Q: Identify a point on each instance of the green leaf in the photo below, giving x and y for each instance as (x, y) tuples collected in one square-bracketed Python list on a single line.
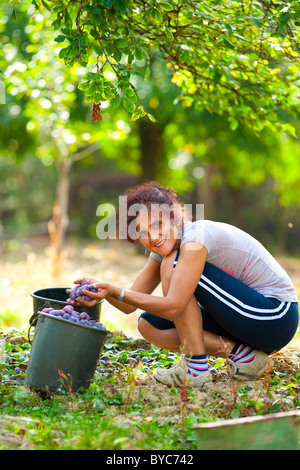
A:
[(91, 76), (108, 3), (84, 85), (129, 93), (275, 407), (64, 52), (169, 33), (129, 105), (92, 89), (217, 76), (166, 6), (157, 16), (228, 44), (97, 49), (138, 114), (68, 20), (235, 414), (115, 52), (46, 5), (121, 43), (184, 56), (89, 99), (151, 117), (56, 23), (115, 102), (60, 38), (97, 97)]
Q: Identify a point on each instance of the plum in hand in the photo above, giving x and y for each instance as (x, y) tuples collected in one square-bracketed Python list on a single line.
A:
[(77, 291)]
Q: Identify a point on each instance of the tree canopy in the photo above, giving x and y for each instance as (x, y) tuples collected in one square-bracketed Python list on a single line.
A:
[(239, 58)]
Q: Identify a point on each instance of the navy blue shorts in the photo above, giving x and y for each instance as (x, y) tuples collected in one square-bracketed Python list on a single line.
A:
[(235, 311)]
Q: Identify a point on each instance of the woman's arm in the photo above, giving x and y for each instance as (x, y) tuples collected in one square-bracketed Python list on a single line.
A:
[(183, 283), (146, 282)]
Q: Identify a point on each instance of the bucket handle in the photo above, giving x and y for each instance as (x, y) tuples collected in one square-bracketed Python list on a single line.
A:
[(33, 319)]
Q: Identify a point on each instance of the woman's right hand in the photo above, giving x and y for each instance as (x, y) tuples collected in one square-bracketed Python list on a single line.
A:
[(88, 280)]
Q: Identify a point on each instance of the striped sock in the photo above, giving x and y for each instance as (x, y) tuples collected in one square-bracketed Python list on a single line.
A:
[(242, 353), (196, 364)]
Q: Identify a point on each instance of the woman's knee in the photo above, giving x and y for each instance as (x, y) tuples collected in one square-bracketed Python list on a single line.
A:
[(142, 325)]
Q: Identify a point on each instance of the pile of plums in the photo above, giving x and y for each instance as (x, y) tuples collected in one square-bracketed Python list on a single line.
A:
[(77, 291), (69, 313)]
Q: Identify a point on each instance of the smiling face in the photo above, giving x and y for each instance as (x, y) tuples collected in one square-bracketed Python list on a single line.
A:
[(157, 230)]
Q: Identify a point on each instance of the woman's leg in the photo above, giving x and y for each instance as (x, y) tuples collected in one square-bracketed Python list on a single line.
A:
[(187, 334), (250, 318), (189, 323), (168, 338), (163, 338)]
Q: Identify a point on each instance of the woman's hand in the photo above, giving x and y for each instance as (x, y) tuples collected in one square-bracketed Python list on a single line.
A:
[(103, 290)]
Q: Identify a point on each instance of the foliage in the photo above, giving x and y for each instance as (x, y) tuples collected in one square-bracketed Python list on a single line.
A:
[(46, 114), (239, 58)]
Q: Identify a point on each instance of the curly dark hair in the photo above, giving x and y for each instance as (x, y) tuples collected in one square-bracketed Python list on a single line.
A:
[(150, 192)]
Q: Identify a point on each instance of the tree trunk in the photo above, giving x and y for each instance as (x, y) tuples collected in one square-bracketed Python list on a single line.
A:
[(58, 225), (151, 150), (237, 207)]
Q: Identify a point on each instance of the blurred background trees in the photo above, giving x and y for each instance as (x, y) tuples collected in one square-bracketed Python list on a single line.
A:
[(57, 164)]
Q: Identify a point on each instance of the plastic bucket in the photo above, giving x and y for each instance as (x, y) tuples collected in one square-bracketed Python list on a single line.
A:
[(61, 345), (56, 297)]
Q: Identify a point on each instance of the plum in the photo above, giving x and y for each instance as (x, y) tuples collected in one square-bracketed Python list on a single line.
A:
[(70, 314), (132, 360), (56, 313), (84, 316), (104, 358), (74, 319), (68, 309), (77, 291), (47, 309)]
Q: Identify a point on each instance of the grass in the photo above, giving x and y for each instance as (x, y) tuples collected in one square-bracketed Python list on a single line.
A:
[(124, 408)]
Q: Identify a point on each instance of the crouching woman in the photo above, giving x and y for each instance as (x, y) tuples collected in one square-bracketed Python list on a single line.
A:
[(224, 295)]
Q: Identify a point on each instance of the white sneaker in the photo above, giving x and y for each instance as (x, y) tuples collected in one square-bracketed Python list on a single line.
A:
[(249, 370), (177, 375)]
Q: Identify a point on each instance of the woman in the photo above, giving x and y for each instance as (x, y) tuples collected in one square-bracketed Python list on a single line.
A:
[(224, 295)]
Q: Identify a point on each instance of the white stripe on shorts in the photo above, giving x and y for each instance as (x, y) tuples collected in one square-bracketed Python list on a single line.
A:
[(221, 294), (281, 309)]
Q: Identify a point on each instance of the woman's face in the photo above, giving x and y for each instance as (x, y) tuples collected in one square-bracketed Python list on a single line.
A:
[(157, 230)]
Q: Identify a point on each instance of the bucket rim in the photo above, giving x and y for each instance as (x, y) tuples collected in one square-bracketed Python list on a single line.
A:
[(35, 296), (39, 313)]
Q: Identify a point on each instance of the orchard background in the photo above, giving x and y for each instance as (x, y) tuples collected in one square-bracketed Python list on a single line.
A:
[(99, 95)]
